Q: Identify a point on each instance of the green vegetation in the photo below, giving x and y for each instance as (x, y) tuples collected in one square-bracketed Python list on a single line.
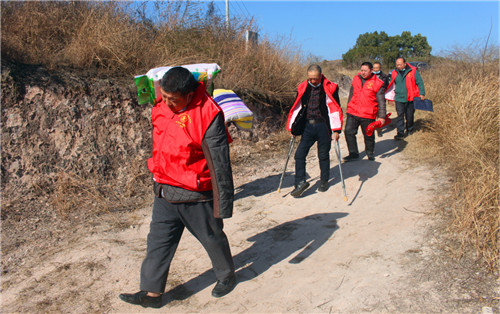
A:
[(386, 49)]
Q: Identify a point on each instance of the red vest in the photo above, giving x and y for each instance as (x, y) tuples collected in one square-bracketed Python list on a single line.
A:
[(178, 158), (412, 90), (334, 111), (363, 102)]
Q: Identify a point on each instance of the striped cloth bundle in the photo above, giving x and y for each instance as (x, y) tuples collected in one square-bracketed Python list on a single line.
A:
[(234, 109)]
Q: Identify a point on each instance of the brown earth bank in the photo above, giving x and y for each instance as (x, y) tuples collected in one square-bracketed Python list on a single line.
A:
[(74, 146), (76, 204)]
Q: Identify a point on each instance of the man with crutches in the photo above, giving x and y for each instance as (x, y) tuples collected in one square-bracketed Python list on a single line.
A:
[(316, 116)]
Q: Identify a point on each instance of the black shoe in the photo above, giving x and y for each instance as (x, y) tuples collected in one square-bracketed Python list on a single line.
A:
[(408, 133), (371, 157), (323, 186), (399, 137), (379, 132), (141, 298), (351, 157), (299, 189), (224, 287)]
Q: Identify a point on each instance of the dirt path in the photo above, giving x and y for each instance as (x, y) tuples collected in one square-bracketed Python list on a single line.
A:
[(317, 253)]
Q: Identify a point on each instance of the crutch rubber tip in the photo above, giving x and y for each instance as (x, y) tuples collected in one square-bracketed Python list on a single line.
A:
[(279, 190), (345, 198)]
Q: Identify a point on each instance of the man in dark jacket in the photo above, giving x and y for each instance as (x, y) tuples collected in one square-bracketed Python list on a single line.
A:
[(366, 103), (406, 84), (317, 116), (377, 70), (193, 185)]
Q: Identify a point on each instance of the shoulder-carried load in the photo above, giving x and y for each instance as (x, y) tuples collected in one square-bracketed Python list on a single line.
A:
[(234, 109), (148, 85)]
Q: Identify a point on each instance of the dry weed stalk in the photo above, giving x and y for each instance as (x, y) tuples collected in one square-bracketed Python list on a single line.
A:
[(72, 193), (97, 195)]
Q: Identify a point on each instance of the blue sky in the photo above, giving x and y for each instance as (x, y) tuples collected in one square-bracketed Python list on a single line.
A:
[(327, 29)]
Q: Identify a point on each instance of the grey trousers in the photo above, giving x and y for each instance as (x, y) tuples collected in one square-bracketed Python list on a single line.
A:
[(165, 232)]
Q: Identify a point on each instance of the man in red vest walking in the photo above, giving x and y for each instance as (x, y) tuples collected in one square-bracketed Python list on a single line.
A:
[(365, 104), (317, 116), (193, 185), (406, 84)]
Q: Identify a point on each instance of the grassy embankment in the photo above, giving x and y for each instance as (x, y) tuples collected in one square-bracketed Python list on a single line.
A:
[(461, 135), (117, 39)]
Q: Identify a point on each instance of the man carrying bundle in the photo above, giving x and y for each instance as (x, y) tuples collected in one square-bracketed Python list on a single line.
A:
[(193, 185), (366, 103), (317, 116)]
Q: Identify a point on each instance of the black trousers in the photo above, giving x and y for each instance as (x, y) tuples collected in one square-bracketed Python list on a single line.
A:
[(317, 132), (166, 228), (351, 129), (405, 110)]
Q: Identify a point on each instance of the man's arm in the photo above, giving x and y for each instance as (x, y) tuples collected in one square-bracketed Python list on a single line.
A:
[(335, 135), (216, 150), (336, 97), (420, 83), (381, 102), (350, 95)]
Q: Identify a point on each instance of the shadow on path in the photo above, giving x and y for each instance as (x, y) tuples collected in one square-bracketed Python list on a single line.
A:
[(301, 238), (264, 186), (362, 167), (389, 147), (368, 170)]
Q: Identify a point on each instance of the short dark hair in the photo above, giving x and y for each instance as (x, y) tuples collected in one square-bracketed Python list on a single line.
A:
[(179, 79), (404, 60), (376, 62), (368, 64), (314, 68)]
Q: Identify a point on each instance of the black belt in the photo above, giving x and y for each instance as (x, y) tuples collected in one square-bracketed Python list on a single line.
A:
[(314, 121)]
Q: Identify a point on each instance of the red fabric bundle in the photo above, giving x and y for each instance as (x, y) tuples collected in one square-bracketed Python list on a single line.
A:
[(377, 124)]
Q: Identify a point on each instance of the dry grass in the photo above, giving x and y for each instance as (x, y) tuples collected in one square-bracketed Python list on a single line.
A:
[(118, 38), (71, 193), (463, 135)]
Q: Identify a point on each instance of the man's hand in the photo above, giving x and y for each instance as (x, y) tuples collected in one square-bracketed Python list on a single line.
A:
[(382, 120), (335, 136), (422, 97)]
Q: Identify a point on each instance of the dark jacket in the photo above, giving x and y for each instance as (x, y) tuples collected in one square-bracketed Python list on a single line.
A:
[(384, 77), (329, 107), (216, 150)]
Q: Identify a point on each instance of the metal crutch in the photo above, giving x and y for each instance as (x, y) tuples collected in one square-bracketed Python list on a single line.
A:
[(337, 151), (292, 142)]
